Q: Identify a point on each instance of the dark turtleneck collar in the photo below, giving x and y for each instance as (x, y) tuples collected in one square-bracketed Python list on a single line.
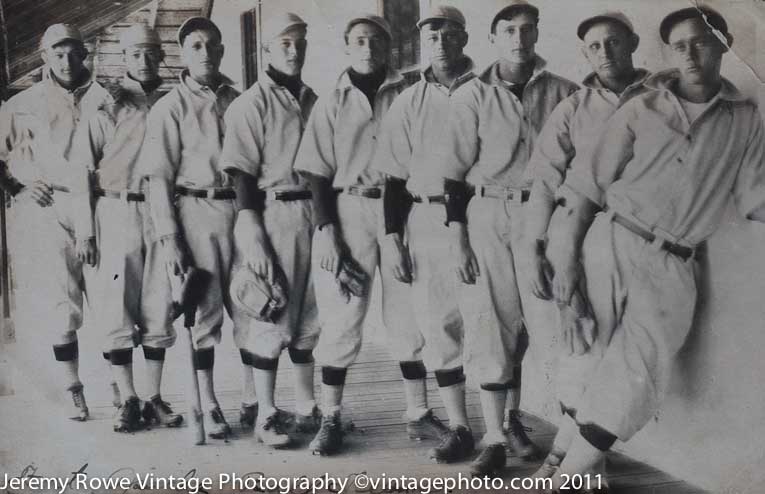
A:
[(292, 83), (368, 84)]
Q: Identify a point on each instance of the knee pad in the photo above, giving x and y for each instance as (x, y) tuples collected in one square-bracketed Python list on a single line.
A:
[(597, 436)]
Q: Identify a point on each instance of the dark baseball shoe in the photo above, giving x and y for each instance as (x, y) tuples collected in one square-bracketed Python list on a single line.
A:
[(219, 427), (247, 415), (457, 444), (159, 412), (426, 427), (491, 460), (518, 441), (329, 439), (272, 431), (80, 411), (308, 423), (128, 416)]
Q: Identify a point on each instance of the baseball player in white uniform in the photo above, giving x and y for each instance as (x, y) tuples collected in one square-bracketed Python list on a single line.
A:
[(180, 156), (410, 132), (608, 43), (661, 175), (274, 222), (337, 151), (37, 127), (492, 128), (129, 288)]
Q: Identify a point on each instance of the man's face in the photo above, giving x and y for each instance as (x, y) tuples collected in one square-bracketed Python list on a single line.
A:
[(368, 48), (202, 53), (444, 45), (515, 39), (66, 60), (696, 51), (287, 51), (608, 46), (143, 61)]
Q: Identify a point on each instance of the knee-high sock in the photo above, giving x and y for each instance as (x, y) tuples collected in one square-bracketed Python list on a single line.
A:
[(493, 405)]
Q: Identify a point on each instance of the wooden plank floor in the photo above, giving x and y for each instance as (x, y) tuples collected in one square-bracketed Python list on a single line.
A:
[(33, 433)]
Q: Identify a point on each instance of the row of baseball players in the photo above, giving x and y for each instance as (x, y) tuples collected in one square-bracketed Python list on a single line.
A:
[(540, 196)]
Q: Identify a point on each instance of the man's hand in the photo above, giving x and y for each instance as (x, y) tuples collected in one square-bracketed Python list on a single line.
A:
[(259, 258), (87, 251), (540, 272), (565, 265), (175, 255), (253, 244), (329, 247), (39, 192), (463, 258), (401, 262)]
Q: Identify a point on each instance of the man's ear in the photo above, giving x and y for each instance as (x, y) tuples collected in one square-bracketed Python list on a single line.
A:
[(44, 56), (162, 55), (635, 40), (464, 39), (492, 37)]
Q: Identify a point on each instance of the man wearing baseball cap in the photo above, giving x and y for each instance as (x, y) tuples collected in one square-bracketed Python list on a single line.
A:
[(130, 283), (608, 43), (663, 172), (491, 131), (180, 156), (409, 133), (336, 154), (274, 225), (36, 140)]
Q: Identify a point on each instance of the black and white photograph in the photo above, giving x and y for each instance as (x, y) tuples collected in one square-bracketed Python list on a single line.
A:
[(382, 246)]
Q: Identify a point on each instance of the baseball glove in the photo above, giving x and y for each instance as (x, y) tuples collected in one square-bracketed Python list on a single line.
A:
[(352, 279), (256, 296)]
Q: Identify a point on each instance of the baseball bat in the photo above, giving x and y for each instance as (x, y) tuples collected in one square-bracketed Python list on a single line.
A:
[(196, 423), (188, 291)]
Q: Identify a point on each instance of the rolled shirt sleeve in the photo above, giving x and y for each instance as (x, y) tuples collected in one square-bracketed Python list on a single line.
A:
[(554, 150), (87, 151), (245, 136), (160, 160), (394, 149), (593, 171), (749, 187), (317, 149)]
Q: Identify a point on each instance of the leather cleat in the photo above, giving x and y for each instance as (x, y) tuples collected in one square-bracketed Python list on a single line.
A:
[(518, 442), (329, 439), (219, 427), (128, 416), (157, 411), (491, 460), (308, 423), (457, 444), (247, 415), (272, 431), (116, 398), (80, 411), (426, 427)]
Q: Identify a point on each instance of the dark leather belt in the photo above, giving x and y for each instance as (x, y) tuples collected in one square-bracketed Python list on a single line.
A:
[(504, 193), (288, 195), (212, 193), (680, 251), (440, 199), (362, 191), (123, 195)]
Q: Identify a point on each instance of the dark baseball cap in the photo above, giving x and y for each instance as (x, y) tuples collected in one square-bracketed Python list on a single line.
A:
[(709, 15), (195, 24)]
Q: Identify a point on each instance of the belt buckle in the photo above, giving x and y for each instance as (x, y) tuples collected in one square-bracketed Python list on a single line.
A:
[(271, 195), (210, 193), (513, 196), (124, 195)]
